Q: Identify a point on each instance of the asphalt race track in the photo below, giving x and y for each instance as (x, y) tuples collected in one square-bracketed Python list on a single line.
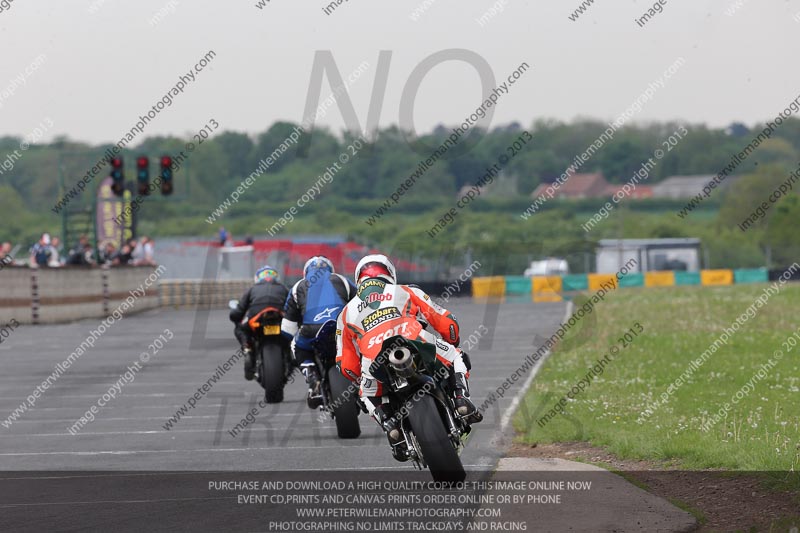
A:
[(128, 434)]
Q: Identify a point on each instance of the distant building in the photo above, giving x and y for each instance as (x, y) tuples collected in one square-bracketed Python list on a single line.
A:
[(577, 186), (641, 191), (687, 186), (650, 254)]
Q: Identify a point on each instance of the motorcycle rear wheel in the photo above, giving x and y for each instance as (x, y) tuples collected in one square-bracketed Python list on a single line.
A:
[(437, 449), (272, 372), (345, 409)]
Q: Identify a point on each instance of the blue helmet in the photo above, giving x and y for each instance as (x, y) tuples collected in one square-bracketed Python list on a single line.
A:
[(318, 262), (265, 274)]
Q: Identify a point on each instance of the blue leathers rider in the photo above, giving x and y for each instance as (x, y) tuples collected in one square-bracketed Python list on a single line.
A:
[(312, 301)]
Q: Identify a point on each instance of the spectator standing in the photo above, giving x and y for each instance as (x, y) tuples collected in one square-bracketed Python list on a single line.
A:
[(124, 256), (149, 251), (82, 254), (137, 252), (41, 252), (55, 253), (6, 259), (108, 253), (5, 254)]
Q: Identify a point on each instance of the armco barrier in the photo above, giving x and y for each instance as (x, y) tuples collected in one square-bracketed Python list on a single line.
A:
[(201, 293), (51, 295), (553, 288)]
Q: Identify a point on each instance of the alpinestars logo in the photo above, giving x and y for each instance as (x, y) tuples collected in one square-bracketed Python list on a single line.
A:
[(327, 313)]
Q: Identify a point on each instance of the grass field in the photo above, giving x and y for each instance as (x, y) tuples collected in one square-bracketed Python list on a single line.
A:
[(760, 429)]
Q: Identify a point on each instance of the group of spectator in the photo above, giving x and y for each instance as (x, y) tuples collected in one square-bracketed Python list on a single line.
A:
[(47, 252), (133, 252), (226, 239)]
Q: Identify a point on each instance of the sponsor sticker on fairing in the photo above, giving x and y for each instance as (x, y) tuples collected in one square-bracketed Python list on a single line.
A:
[(380, 316)]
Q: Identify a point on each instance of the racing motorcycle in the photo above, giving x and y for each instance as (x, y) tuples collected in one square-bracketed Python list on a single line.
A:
[(339, 396), (433, 433), (274, 364)]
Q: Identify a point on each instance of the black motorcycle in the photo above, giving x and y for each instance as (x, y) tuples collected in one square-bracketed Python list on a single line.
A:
[(417, 386), (339, 395), (274, 363)]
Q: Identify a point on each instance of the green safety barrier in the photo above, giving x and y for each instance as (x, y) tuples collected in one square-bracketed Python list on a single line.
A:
[(687, 278), (633, 279), (518, 285), (750, 275), (574, 282)]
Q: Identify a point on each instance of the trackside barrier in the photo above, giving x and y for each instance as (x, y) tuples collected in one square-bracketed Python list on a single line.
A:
[(659, 279), (547, 288), (575, 282), (489, 287), (516, 285), (553, 288), (716, 277), (687, 278), (750, 275), (66, 294), (602, 281), (633, 279), (202, 293)]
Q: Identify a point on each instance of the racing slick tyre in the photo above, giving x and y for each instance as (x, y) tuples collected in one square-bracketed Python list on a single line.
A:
[(272, 373), (436, 447), (344, 406)]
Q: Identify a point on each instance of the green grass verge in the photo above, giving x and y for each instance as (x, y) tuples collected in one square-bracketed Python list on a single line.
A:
[(762, 429)]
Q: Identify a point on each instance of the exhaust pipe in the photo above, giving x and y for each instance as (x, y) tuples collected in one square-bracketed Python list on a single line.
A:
[(402, 360)]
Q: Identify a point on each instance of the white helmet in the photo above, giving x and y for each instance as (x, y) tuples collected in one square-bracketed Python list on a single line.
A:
[(318, 261), (376, 266)]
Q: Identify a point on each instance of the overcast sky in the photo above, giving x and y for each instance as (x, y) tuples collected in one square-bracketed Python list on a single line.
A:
[(103, 69)]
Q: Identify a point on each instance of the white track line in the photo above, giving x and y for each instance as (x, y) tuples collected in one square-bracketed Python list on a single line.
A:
[(137, 407), (153, 432), (200, 472), (52, 420), (136, 452), (509, 412)]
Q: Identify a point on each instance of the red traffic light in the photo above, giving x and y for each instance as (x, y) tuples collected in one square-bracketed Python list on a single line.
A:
[(166, 161), (116, 162), (142, 162)]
